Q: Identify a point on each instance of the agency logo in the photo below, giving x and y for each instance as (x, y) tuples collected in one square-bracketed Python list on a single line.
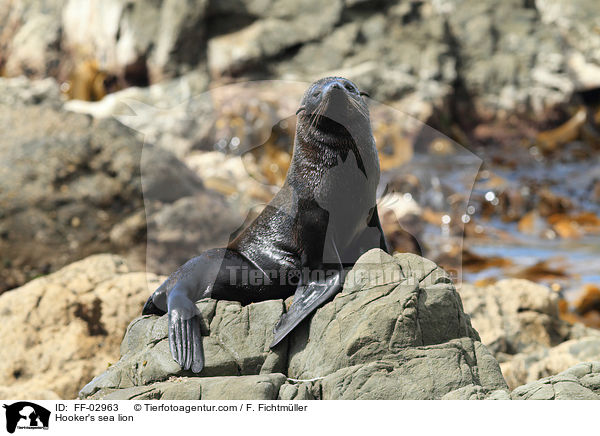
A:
[(26, 415)]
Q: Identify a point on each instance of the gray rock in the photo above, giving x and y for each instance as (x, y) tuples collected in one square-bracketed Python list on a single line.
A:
[(30, 37), (528, 367), (235, 339), (581, 382), (397, 330), (19, 91), (174, 114), (418, 373), (293, 390), (165, 178), (525, 332), (506, 55), (178, 38), (499, 394), (262, 8), (527, 321), (66, 180), (174, 233), (396, 53), (387, 305), (509, 59), (167, 36), (328, 53), (297, 23), (470, 392), (576, 23), (249, 387), (61, 330)]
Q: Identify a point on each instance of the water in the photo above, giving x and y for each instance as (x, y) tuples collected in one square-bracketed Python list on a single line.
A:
[(562, 185)]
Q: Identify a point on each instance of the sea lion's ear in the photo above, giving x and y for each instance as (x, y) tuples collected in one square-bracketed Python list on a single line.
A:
[(300, 109), (364, 94)]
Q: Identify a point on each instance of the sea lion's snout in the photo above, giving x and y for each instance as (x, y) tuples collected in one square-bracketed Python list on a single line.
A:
[(335, 87), (334, 98), (339, 89), (335, 95)]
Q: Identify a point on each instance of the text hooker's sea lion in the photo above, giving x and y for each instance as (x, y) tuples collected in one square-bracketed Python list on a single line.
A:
[(319, 223)]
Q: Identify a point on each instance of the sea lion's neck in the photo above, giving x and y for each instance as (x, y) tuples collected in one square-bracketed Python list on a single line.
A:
[(317, 150)]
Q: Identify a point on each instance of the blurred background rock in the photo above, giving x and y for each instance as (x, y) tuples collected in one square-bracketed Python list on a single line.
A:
[(154, 129)]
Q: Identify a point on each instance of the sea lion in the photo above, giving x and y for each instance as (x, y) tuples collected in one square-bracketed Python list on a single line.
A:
[(318, 224)]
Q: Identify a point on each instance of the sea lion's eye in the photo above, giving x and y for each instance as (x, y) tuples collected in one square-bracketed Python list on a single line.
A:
[(316, 93), (350, 87)]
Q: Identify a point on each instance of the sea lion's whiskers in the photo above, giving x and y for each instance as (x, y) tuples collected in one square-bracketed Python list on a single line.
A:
[(358, 107), (318, 112), (312, 117), (321, 109)]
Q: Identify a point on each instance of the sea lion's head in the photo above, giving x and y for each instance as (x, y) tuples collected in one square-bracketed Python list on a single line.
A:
[(333, 100)]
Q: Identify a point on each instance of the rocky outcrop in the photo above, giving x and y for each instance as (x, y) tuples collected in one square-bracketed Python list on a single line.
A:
[(581, 382), (72, 186), (397, 330), (65, 180), (294, 23), (515, 315), (176, 233), (482, 58), (162, 37), (246, 387), (519, 322), (408, 374), (173, 114), (30, 37), (529, 367), (19, 91), (575, 22), (388, 304), (58, 331)]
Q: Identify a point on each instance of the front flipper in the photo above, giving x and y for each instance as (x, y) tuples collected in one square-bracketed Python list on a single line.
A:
[(184, 332), (307, 299)]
